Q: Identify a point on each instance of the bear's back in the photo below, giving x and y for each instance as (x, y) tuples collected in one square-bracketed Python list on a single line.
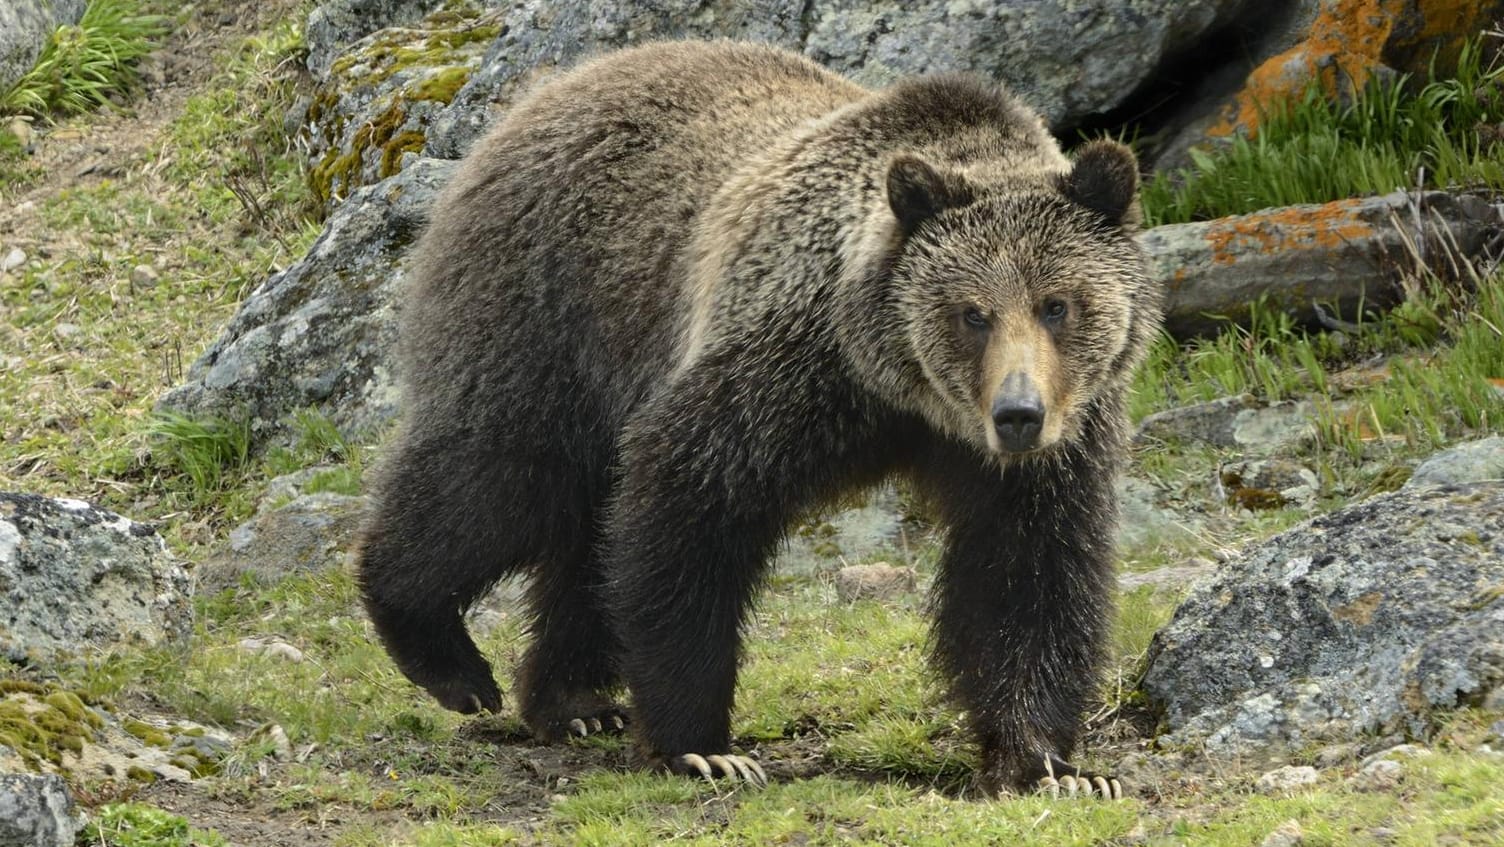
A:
[(567, 224)]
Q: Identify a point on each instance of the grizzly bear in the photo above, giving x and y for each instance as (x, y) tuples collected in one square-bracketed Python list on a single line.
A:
[(687, 293)]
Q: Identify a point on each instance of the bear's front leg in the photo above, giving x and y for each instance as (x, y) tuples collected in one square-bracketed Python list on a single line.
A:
[(1022, 605)]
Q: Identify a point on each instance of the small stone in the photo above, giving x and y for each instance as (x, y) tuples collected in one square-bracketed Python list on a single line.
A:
[(144, 276), (1398, 751), (878, 581), (20, 127), (1473, 461), (283, 650), (1335, 754), (14, 259), (66, 331), (1287, 834), (1383, 775), (1382, 834), (1287, 778), (281, 744)]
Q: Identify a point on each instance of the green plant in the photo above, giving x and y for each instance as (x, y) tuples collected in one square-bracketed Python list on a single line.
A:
[(1394, 134), (210, 452), (82, 65)]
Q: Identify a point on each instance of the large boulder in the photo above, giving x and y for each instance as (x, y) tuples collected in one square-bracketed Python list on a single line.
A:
[(1375, 620), (74, 577), (25, 27), (320, 333)]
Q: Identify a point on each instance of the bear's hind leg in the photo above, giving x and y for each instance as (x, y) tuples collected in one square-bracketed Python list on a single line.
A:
[(439, 536), (567, 681)]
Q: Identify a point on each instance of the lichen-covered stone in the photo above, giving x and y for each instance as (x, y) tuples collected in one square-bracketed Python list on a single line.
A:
[(1344, 253), (320, 333), (75, 578), (335, 24), (1373, 620), (1474, 461)]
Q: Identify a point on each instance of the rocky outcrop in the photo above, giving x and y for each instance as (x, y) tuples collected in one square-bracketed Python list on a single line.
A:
[(1374, 620), (1473, 461), (74, 578), (320, 333), (1069, 62), (1344, 254), (25, 27)]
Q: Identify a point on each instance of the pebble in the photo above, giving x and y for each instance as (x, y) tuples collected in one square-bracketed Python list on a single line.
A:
[(14, 259), (144, 276), (1382, 775)]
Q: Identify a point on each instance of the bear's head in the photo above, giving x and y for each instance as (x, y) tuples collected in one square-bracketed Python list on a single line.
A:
[(1022, 302)]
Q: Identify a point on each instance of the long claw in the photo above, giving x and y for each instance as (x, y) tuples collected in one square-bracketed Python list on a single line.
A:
[(757, 771), (1117, 789), (617, 723), (577, 727), (594, 724), (696, 761), (1049, 785), (1102, 788), (722, 765)]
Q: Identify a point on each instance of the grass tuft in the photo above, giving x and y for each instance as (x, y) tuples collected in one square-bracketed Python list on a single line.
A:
[(82, 65)]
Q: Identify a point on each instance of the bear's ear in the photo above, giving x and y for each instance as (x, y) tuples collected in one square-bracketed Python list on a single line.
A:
[(1104, 179), (918, 192)]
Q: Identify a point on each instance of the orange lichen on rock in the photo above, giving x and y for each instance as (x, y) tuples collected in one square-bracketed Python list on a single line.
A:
[(1346, 42), (1327, 226)]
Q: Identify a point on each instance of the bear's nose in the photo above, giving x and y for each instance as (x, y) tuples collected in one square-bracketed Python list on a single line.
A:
[(1018, 413)]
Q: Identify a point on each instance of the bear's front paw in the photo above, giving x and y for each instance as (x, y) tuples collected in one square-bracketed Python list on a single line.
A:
[(716, 766)]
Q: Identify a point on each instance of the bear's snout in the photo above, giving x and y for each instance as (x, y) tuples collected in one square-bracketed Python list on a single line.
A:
[(1018, 413)]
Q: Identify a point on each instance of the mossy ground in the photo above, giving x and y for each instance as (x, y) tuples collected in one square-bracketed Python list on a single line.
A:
[(835, 697)]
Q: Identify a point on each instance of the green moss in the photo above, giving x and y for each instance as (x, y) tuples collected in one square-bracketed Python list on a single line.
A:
[(338, 172), (147, 733), (41, 722), (441, 86), (410, 141), (136, 773)]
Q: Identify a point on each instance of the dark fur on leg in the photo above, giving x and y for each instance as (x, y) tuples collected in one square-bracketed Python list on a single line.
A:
[(1023, 600)]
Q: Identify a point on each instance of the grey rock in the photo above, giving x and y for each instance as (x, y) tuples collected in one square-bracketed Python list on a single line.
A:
[(1382, 775), (1287, 778), (1376, 619), (1349, 253), (1143, 523), (871, 529), (877, 581), (14, 259), (320, 333), (25, 26), (1275, 428), (1474, 461), (1211, 422), (308, 535), (1287, 834), (74, 577), (36, 810)]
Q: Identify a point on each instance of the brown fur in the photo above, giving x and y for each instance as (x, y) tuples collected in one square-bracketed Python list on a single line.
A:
[(686, 293)]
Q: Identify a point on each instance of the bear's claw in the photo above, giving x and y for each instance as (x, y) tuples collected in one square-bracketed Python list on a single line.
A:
[(1078, 784), (714, 766), (609, 723)]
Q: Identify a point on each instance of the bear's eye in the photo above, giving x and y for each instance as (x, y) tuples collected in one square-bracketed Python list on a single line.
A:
[(974, 318), (1054, 311)]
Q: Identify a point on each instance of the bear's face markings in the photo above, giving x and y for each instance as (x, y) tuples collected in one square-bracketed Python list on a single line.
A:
[(1016, 304)]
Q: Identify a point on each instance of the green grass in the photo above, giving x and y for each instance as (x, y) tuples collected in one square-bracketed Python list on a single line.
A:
[(142, 825), (1396, 134), (81, 66)]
